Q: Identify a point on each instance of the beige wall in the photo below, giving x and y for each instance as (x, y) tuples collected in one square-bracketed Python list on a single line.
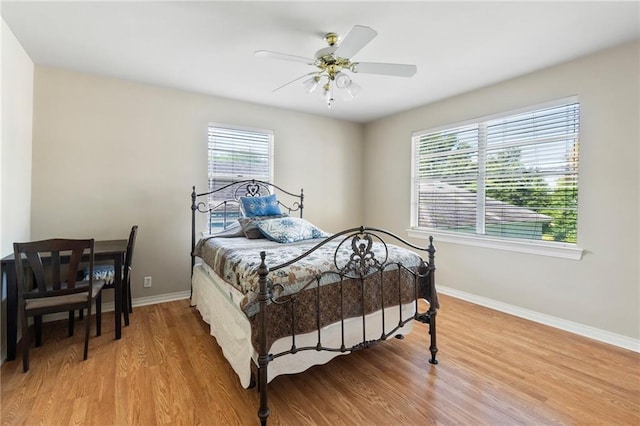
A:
[(602, 290), (17, 111), (16, 90), (109, 154)]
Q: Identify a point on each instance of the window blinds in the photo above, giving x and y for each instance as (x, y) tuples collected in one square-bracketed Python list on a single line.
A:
[(514, 176), (239, 154), (235, 155)]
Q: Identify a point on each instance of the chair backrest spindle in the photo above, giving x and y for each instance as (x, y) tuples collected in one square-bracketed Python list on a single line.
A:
[(53, 280)]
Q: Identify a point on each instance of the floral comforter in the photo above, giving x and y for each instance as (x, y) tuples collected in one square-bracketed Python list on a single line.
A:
[(236, 261)]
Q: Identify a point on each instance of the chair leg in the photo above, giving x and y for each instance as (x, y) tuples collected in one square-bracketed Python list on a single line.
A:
[(25, 342), (86, 332), (80, 314), (71, 321), (37, 321), (99, 314)]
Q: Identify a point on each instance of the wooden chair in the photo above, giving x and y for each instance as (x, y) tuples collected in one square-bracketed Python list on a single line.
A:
[(108, 271), (127, 268), (45, 292)]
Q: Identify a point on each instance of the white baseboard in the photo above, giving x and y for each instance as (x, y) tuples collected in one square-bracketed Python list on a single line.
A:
[(562, 324), (152, 300)]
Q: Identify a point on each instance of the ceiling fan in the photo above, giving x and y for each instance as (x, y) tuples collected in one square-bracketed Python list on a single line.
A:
[(334, 60)]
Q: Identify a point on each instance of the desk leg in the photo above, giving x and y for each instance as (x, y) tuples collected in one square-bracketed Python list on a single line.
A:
[(12, 312), (118, 295)]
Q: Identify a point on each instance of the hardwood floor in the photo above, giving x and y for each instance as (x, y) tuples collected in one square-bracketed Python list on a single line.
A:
[(494, 369)]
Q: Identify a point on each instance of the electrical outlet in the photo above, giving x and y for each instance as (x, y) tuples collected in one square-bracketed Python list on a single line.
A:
[(147, 282)]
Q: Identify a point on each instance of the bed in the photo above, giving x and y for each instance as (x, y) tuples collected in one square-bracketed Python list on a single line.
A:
[(281, 295)]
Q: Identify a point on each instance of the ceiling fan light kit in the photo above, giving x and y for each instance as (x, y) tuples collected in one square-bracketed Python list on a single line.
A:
[(334, 60), (311, 84), (342, 80)]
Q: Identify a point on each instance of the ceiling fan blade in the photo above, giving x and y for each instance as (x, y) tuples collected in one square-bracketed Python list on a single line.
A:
[(357, 38), (293, 81), (399, 70), (283, 57)]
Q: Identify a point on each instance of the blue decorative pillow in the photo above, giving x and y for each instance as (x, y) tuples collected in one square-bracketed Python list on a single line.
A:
[(289, 230), (260, 206), (250, 228)]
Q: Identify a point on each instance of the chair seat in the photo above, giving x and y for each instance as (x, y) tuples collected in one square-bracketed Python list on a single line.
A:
[(45, 302), (97, 285)]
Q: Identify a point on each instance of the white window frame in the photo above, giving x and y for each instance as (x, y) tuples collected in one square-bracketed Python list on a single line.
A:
[(538, 247)]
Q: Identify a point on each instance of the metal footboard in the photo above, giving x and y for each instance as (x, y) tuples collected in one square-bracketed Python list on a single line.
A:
[(361, 265)]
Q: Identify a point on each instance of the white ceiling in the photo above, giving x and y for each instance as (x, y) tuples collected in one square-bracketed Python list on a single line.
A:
[(207, 47)]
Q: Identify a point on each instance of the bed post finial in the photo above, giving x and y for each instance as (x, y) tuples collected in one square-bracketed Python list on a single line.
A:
[(301, 201), (432, 254), (264, 295)]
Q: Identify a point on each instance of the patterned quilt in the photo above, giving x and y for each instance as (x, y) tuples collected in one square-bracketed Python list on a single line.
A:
[(236, 261)]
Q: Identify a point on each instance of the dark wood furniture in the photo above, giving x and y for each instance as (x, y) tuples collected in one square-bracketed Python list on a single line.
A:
[(43, 287), (126, 275), (364, 267), (128, 268), (107, 250)]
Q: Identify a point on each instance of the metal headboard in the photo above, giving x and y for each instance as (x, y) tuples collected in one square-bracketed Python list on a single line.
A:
[(244, 188)]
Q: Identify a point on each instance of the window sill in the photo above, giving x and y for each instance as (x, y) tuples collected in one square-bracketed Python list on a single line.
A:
[(552, 249)]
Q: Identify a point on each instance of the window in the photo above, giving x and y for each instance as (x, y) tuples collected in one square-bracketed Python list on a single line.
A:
[(510, 177), (236, 154)]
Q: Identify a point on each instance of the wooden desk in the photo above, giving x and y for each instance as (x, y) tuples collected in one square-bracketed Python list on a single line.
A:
[(108, 250)]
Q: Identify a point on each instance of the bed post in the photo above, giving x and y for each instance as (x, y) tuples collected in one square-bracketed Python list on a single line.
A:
[(193, 235), (433, 348), (263, 355)]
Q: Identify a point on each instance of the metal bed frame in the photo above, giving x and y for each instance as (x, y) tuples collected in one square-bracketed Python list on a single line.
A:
[(362, 262)]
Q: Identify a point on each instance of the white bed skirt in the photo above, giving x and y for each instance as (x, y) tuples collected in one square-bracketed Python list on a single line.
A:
[(217, 305)]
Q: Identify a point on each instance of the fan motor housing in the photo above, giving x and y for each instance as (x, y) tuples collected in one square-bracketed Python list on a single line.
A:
[(331, 38)]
